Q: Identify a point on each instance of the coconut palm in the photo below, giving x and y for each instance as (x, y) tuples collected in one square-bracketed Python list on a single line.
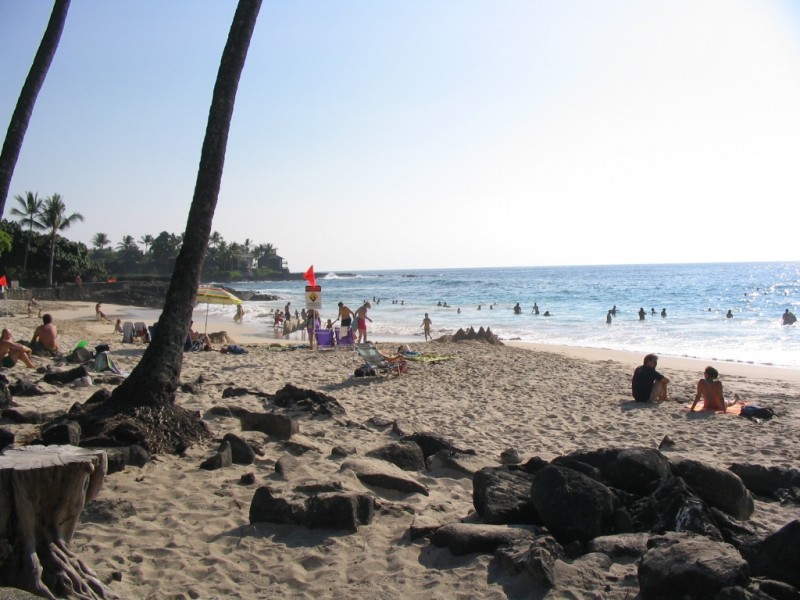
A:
[(146, 241), (30, 207), (155, 379), (54, 218), (127, 244), (216, 239), (27, 97), (100, 241)]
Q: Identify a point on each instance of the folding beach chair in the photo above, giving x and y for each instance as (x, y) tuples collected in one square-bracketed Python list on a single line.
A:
[(344, 337), (374, 360), (325, 339)]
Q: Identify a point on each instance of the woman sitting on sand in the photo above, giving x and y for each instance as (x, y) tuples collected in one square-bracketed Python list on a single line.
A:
[(710, 390)]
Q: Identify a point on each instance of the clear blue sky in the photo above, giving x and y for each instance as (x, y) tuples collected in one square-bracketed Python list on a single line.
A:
[(422, 133)]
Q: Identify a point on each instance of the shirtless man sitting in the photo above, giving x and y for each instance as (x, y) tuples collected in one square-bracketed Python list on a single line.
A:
[(11, 352), (45, 337)]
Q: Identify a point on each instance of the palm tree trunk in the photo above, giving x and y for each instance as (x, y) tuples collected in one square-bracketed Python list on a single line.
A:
[(27, 248), (155, 379), (52, 260), (27, 97)]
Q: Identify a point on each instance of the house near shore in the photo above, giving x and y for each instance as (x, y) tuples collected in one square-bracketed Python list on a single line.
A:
[(274, 262)]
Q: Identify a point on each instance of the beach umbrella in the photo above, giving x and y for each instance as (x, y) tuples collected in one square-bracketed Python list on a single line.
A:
[(212, 295)]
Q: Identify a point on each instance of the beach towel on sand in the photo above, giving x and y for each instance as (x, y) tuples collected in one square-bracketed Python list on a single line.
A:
[(104, 362), (428, 358)]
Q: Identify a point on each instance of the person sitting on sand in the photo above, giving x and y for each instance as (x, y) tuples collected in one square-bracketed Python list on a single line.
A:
[(395, 359), (11, 352), (45, 337), (647, 384), (118, 326), (197, 340), (710, 390)]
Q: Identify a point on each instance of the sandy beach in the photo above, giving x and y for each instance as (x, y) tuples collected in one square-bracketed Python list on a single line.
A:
[(173, 530)]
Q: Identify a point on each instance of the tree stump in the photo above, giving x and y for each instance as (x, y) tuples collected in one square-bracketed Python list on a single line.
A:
[(42, 492)]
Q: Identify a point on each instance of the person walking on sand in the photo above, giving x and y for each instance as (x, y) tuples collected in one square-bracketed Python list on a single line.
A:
[(647, 384), (99, 314), (31, 303), (361, 321), (345, 316), (11, 352), (710, 390), (237, 318), (45, 337), (426, 327)]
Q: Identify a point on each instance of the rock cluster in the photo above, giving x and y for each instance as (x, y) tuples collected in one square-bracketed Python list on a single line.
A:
[(668, 528)]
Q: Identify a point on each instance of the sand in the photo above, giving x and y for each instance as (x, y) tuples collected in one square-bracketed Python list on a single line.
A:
[(172, 530)]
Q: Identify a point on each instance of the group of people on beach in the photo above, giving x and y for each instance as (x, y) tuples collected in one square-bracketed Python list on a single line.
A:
[(44, 342), (648, 385)]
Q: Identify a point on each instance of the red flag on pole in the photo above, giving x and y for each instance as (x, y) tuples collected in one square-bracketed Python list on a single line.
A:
[(4, 282), (309, 276)]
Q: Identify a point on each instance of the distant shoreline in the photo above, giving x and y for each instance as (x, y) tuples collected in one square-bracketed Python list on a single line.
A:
[(256, 333)]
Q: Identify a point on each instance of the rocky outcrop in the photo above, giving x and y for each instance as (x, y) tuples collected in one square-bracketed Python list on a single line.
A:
[(690, 567)]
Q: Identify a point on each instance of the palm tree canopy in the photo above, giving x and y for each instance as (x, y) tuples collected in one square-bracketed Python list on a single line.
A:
[(100, 240), (54, 217), (127, 243), (30, 207)]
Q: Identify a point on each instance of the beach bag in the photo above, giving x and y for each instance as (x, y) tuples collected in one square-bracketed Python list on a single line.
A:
[(364, 371), (752, 411), (80, 355)]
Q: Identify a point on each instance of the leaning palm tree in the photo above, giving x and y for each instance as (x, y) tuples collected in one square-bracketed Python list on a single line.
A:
[(30, 207), (27, 97), (147, 396), (54, 218)]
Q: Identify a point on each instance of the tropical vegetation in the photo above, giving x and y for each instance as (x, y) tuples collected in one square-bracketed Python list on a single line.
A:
[(40, 255)]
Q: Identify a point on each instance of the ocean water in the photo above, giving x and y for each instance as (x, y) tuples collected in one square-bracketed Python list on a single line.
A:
[(696, 298)]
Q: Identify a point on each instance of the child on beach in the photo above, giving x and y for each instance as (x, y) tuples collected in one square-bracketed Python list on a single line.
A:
[(710, 390), (426, 327)]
